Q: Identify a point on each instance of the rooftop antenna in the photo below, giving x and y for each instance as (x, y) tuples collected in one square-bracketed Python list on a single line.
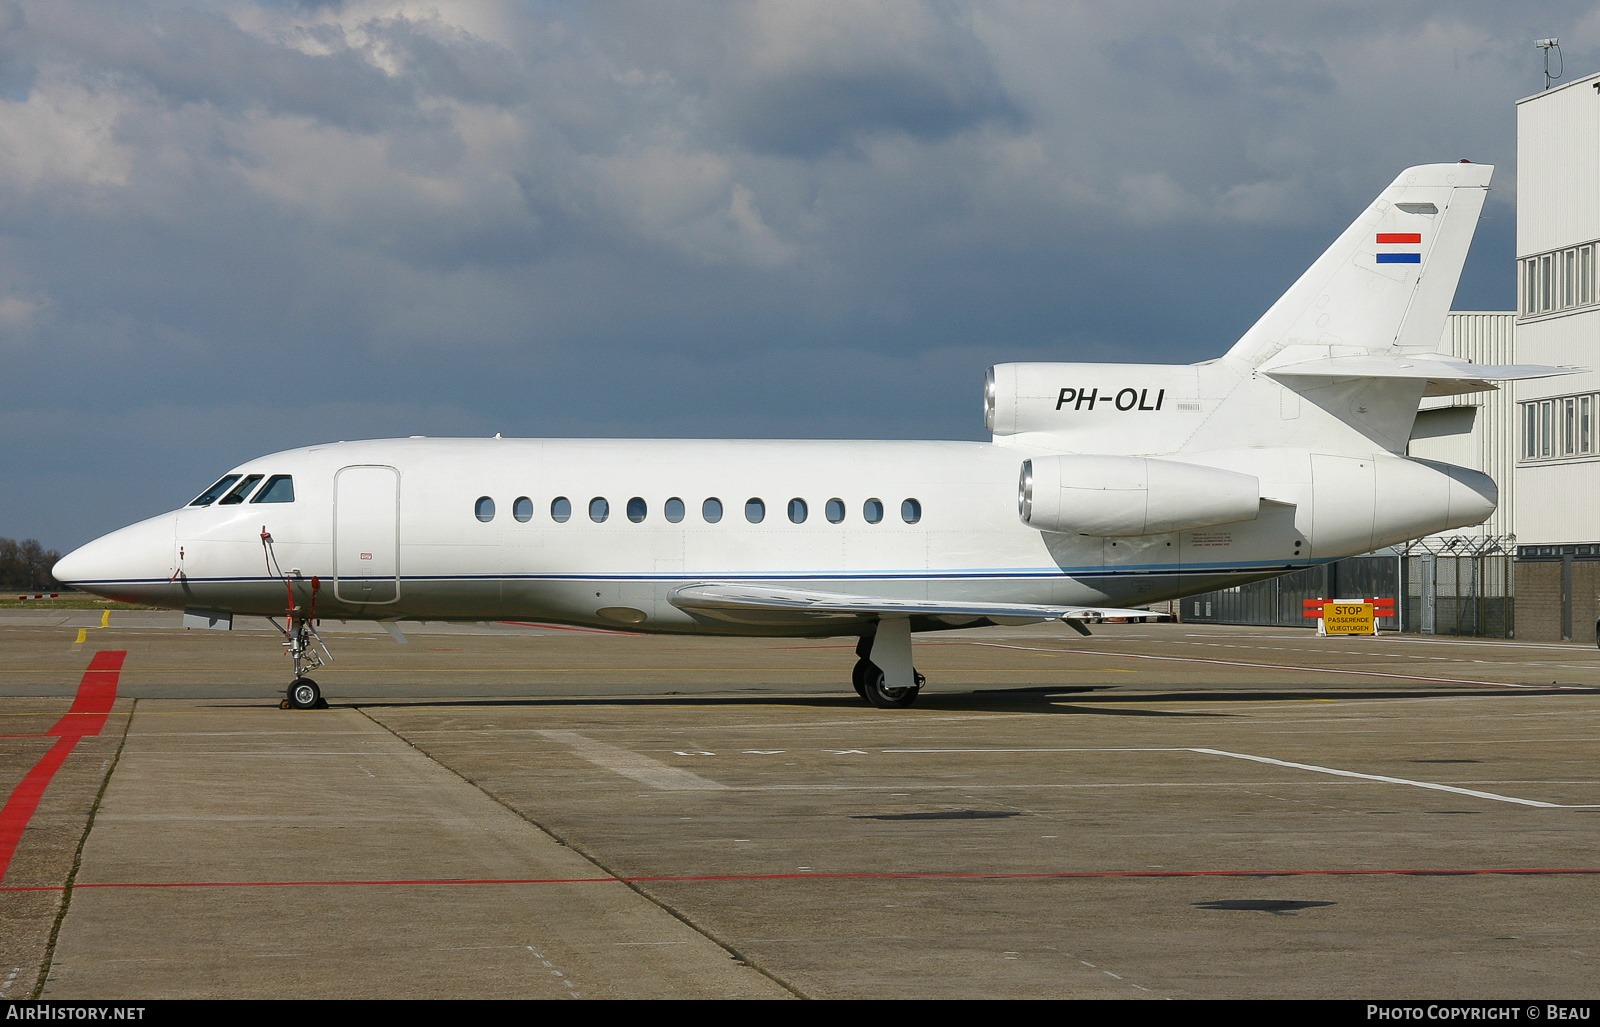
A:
[(1547, 45)]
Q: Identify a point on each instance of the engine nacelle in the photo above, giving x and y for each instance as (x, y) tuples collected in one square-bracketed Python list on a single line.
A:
[(1131, 495)]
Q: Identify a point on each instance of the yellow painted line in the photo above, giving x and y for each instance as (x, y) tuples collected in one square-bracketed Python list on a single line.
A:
[(83, 635), (105, 618)]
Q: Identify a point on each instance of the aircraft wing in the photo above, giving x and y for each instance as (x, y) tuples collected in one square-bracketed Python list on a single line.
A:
[(732, 601)]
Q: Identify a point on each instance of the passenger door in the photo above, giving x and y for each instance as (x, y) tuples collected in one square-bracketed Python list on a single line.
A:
[(366, 534)]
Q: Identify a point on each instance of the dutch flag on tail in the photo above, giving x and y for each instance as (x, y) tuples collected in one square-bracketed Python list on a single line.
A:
[(1408, 251)]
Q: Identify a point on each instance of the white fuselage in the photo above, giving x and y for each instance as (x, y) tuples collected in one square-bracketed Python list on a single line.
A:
[(392, 529)]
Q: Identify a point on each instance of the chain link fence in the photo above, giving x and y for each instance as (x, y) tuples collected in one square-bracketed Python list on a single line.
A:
[(1437, 594)]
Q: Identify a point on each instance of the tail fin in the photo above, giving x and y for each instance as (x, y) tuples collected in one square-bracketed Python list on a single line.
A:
[(1387, 282)]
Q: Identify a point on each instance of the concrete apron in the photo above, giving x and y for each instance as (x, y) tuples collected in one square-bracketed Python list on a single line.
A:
[(279, 807)]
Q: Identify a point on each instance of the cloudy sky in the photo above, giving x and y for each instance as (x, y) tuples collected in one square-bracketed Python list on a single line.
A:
[(228, 228)]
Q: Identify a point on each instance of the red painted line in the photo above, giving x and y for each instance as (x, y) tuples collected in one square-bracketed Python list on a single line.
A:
[(97, 691), (25, 798), (907, 876)]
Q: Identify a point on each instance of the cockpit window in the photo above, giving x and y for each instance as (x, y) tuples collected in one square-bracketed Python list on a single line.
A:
[(278, 489), (241, 490), (210, 495)]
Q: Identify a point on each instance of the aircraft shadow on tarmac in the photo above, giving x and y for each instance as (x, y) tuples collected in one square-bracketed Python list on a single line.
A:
[(1086, 699)]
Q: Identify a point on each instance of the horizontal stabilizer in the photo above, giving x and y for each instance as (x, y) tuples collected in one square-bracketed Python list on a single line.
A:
[(1445, 374), (717, 598)]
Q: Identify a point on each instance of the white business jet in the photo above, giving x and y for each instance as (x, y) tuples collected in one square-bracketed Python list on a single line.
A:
[(1104, 486)]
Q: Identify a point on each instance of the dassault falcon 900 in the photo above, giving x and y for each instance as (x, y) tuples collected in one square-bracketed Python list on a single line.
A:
[(1104, 486)]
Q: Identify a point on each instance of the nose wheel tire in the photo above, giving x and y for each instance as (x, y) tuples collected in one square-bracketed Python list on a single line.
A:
[(305, 695), (883, 697)]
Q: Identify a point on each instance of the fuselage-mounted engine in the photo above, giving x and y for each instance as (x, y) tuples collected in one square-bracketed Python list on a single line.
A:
[(1131, 495)]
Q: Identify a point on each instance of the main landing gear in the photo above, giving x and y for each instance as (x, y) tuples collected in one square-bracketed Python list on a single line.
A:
[(870, 680), (870, 685)]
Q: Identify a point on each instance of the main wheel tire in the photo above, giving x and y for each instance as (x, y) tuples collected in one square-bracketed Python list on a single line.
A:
[(858, 676), (304, 694), (885, 698)]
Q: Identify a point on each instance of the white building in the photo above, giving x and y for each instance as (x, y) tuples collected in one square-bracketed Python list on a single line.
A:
[(1477, 430), (1556, 498)]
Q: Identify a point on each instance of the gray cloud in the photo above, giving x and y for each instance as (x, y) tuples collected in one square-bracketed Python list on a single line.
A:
[(231, 229)]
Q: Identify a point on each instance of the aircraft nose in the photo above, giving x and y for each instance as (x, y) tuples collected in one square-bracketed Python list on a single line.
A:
[(125, 563)]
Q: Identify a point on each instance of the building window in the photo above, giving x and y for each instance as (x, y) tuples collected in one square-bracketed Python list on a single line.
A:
[(1560, 280), (1562, 427)]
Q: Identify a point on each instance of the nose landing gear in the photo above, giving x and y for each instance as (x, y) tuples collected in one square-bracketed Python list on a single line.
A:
[(301, 641), (300, 638)]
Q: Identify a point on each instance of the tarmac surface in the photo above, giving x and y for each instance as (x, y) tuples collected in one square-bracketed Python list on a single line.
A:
[(1160, 811)]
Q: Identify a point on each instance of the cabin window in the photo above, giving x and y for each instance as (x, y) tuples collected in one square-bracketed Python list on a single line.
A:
[(210, 495), (673, 509), (711, 510), (240, 490), (835, 510), (797, 511), (522, 509), (755, 511), (599, 509), (637, 509), (484, 508), (561, 509), (911, 511), (872, 510), (278, 489)]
